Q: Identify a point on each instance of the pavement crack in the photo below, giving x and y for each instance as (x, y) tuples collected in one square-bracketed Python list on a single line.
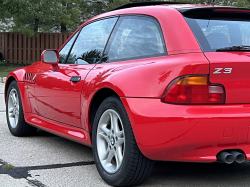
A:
[(23, 172), (14, 173), (54, 166)]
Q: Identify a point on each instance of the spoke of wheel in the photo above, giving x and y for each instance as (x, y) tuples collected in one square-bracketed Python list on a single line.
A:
[(105, 155), (120, 134), (110, 156), (105, 130), (118, 158), (16, 118), (12, 120), (120, 141), (117, 161), (104, 136), (11, 110), (14, 95), (17, 100), (13, 99), (12, 115), (114, 122)]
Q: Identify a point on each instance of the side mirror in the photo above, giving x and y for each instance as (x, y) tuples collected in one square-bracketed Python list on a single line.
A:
[(51, 56)]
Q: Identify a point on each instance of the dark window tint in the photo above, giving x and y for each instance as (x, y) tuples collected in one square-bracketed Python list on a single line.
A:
[(219, 34), (65, 50), (90, 43), (135, 37)]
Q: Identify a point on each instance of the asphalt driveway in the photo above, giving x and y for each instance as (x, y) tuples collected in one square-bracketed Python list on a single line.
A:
[(49, 160)]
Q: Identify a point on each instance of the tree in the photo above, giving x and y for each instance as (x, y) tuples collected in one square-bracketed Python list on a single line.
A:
[(90, 8), (6, 11), (237, 3), (32, 16)]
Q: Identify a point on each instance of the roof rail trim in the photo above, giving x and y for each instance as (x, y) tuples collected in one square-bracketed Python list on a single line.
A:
[(138, 4)]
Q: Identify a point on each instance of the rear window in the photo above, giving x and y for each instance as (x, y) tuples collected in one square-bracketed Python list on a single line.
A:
[(217, 33)]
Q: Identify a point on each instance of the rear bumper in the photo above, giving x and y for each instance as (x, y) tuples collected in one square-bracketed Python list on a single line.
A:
[(188, 133)]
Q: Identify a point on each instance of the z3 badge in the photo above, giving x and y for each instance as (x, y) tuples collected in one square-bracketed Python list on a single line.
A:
[(222, 70)]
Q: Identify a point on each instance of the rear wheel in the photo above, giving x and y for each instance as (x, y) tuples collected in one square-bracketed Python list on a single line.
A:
[(117, 156), (14, 113)]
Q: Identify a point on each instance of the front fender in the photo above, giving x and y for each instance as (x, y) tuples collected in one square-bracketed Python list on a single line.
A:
[(19, 76), (16, 75)]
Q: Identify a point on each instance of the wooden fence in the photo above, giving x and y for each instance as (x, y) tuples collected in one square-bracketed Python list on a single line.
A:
[(18, 48)]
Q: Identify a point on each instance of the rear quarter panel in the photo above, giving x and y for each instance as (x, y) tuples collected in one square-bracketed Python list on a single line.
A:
[(144, 78)]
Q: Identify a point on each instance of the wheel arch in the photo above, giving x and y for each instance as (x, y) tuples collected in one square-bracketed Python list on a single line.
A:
[(7, 84), (96, 101), (17, 75)]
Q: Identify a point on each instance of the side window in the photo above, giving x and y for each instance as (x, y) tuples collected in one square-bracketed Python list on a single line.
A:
[(135, 37), (90, 43), (65, 50)]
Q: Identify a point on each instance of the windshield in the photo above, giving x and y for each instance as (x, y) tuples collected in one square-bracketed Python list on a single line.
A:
[(221, 35)]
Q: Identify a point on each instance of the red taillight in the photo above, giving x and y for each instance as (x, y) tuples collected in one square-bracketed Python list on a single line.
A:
[(193, 90)]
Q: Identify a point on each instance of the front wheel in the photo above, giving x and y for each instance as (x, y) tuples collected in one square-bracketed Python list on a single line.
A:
[(117, 156), (14, 113)]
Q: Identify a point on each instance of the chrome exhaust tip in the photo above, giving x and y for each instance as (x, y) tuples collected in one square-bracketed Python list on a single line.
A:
[(238, 156), (226, 157)]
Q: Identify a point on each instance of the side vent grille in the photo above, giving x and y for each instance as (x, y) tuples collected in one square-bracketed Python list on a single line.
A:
[(28, 77)]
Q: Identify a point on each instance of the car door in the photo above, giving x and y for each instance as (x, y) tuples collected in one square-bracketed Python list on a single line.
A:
[(58, 91)]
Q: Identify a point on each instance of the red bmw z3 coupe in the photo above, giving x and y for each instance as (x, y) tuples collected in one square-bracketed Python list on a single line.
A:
[(144, 82)]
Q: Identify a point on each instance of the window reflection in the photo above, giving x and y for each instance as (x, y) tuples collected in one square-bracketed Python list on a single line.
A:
[(224, 33), (90, 43), (65, 50), (136, 37)]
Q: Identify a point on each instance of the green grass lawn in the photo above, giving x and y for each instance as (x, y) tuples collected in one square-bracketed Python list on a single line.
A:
[(5, 69)]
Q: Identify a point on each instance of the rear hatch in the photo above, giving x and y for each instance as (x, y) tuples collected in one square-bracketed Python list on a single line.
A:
[(224, 36)]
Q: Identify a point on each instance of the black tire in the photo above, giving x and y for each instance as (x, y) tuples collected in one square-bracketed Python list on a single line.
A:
[(135, 167), (22, 128)]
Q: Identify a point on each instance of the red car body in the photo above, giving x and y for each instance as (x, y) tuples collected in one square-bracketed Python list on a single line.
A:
[(163, 131)]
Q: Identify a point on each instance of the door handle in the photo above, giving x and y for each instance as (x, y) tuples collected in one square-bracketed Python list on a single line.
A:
[(75, 79)]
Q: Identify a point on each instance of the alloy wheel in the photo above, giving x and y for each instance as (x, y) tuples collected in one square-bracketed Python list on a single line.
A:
[(110, 141), (13, 108)]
